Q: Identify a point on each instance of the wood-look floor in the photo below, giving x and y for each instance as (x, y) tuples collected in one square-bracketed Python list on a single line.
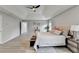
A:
[(22, 45), (18, 45)]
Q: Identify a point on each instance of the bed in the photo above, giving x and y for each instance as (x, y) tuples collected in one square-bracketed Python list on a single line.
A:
[(49, 39)]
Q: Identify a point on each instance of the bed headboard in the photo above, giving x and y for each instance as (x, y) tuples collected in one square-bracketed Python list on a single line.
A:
[(63, 28)]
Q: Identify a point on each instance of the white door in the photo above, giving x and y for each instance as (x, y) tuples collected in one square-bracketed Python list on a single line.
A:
[(23, 27)]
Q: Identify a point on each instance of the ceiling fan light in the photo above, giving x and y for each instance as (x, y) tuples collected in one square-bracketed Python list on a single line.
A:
[(34, 9)]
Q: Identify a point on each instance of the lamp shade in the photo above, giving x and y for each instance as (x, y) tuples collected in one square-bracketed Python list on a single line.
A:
[(74, 28)]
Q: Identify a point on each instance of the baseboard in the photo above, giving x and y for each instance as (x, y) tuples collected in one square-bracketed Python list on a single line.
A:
[(8, 40)]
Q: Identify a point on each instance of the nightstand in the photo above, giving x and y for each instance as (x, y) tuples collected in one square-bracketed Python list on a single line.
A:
[(73, 45), (32, 41)]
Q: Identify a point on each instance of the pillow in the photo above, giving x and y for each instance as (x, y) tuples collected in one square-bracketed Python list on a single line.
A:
[(57, 32)]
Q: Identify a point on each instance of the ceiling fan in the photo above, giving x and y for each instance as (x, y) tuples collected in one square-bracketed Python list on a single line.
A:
[(33, 7)]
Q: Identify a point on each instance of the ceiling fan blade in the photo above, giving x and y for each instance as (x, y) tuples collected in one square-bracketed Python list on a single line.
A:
[(29, 7), (37, 6)]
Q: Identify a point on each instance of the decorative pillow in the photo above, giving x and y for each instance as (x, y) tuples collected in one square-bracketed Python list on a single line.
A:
[(57, 32)]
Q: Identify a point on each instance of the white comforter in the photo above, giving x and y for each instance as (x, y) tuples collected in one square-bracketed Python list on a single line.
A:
[(49, 39)]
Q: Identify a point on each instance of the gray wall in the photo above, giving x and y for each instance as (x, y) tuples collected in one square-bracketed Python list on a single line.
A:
[(67, 19), (10, 27)]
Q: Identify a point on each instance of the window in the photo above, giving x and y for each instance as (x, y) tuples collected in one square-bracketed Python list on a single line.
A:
[(46, 27)]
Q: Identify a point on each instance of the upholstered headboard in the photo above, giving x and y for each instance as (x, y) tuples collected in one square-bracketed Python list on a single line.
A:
[(63, 28)]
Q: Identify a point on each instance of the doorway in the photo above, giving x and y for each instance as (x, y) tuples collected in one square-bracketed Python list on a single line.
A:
[(23, 27)]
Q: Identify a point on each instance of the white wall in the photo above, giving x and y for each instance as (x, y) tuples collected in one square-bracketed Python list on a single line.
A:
[(68, 18), (10, 27)]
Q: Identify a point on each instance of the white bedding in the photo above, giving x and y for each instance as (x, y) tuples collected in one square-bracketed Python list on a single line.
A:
[(49, 39)]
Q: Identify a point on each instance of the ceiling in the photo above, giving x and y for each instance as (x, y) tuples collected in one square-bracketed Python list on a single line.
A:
[(44, 12)]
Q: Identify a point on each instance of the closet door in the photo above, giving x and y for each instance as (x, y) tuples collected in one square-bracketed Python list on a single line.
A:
[(0, 27), (0, 36), (0, 23)]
